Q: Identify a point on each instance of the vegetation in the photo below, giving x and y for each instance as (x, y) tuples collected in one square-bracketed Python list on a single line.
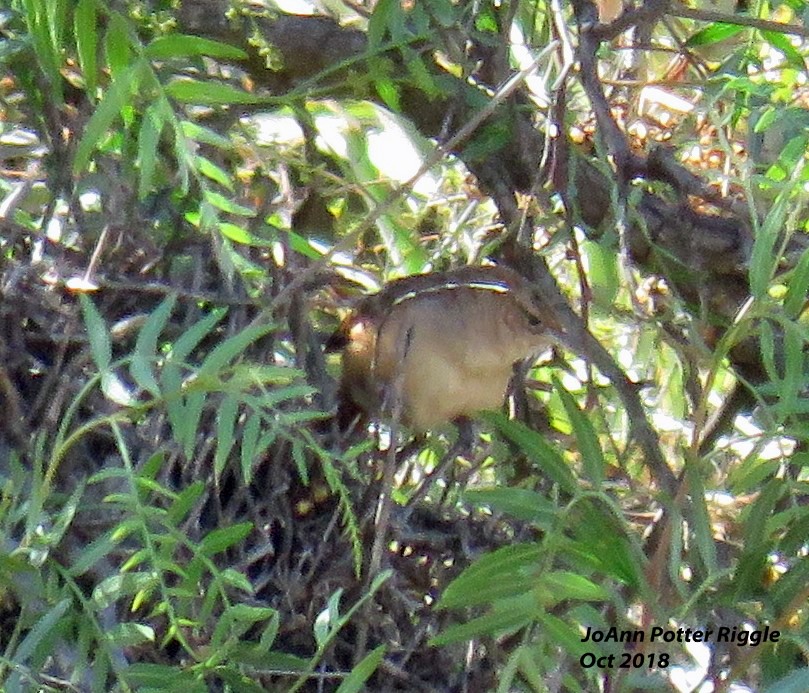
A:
[(191, 196)]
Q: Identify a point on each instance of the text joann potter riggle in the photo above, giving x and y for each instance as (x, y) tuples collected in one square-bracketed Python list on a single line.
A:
[(732, 634)]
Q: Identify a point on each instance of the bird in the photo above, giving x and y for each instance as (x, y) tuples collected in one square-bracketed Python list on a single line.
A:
[(439, 347)]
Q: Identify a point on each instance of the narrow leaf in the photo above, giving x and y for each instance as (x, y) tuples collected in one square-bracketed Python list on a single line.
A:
[(586, 437), (185, 46), (223, 538), (208, 93), (145, 354), (148, 140), (225, 424), (86, 30), (108, 110), (97, 333), (41, 630), (537, 449), (355, 681)]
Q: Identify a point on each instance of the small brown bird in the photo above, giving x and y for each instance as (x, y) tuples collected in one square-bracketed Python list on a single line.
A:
[(440, 347)]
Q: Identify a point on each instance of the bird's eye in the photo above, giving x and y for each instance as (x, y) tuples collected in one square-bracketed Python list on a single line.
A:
[(534, 321)]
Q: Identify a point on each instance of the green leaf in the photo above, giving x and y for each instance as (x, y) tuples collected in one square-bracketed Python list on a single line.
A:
[(796, 681), (204, 135), (586, 437), (223, 538), (235, 233), (763, 260), (327, 622), (216, 173), (757, 546), (108, 110), (143, 676), (285, 662), (231, 348), (782, 44), (355, 681), (130, 634), (603, 274), (797, 288), (793, 383), (91, 554), (388, 91), (445, 12), (186, 46), (766, 118), (506, 572), (237, 620), (227, 205), (194, 405), (145, 354), (97, 334), (189, 340), (250, 435), (184, 502), (118, 47), (303, 246), (234, 578), (489, 139), (115, 587), (39, 23), (602, 545), (536, 448), (522, 504), (562, 585), (226, 415), (562, 634), (148, 140), (387, 20), (41, 630), (717, 31), (508, 617), (208, 93), (86, 31)]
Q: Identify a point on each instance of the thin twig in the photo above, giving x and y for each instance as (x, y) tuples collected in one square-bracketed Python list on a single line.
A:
[(680, 10)]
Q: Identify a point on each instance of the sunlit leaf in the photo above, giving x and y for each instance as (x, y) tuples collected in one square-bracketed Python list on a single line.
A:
[(235, 233), (227, 204), (216, 173), (86, 30), (118, 47), (715, 32), (185, 46), (208, 93)]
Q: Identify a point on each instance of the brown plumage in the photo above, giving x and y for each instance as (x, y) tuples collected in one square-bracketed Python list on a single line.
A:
[(441, 346)]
